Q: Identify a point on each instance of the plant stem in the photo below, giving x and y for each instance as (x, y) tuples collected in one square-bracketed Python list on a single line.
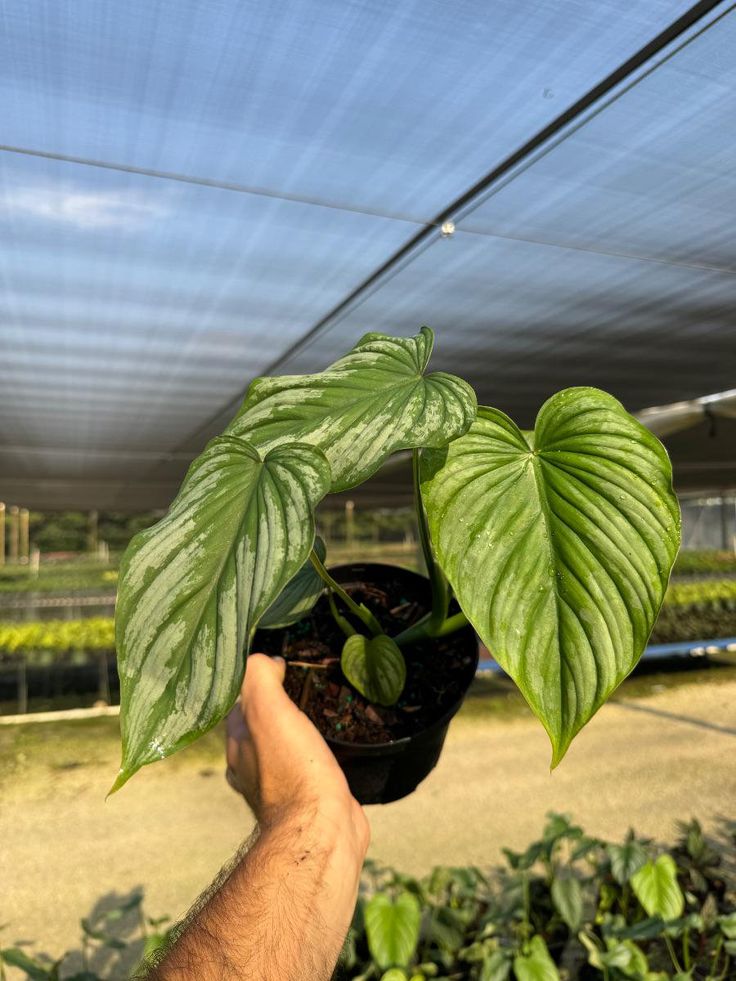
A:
[(686, 948), (673, 955), (437, 578), (306, 689), (527, 906), (716, 955), (722, 975), (360, 611), (422, 629), (339, 619)]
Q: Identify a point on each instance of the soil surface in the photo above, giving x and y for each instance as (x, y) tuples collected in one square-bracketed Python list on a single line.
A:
[(438, 672)]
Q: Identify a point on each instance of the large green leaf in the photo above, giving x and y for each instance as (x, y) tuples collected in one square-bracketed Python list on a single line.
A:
[(392, 929), (369, 404), (558, 544), (656, 887), (193, 587), (298, 596)]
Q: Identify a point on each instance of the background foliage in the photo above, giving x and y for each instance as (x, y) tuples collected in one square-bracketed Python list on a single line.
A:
[(570, 906), (689, 607)]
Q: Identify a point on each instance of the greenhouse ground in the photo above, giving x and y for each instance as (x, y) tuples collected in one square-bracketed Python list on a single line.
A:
[(662, 750)]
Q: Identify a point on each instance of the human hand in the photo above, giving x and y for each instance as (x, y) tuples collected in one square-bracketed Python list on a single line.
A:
[(284, 908), (281, 764)]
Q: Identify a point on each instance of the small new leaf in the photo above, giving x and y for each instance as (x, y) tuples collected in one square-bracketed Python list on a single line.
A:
[(375, 666)]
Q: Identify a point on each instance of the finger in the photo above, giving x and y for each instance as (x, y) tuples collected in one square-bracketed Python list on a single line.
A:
[(235, 727), (264, 700), (263, 672), (263, 683)]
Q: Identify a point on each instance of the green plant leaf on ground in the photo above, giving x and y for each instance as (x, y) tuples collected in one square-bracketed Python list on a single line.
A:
[(375, 666), (656, 887), (707, 592), (558, 544), (536, 964), (495, 967), (193, 587), (298, 596), (392, 929), (372, 402), (567, 897), (626, 859), (727, 925), (619, 955)]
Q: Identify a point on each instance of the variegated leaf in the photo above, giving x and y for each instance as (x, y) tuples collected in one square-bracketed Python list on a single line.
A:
[(193, 587), (558, 544), (298, 596), (369, 404)]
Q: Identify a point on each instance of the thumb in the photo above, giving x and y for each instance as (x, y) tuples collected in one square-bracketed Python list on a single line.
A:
[(263, 677)]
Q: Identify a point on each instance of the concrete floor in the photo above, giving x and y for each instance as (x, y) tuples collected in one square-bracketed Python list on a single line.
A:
[(642, 763)]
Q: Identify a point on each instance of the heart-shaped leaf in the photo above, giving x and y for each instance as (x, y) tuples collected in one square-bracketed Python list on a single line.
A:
[(369, 404), (558, 544), (392, 929), (298, 596), (656, 887), (193, 587), (626, 859), (375, 666), (535, 964), (567, 898)]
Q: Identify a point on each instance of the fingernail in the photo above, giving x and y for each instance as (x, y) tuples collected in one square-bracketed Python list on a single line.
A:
[(277, 657)]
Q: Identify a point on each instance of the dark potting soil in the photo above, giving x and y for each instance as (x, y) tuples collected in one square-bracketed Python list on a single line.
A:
[(436, 671)]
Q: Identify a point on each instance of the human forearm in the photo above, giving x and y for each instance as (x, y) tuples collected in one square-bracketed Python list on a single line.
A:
[(282, 913)]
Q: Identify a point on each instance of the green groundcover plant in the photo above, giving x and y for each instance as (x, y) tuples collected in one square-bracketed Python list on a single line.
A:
[(47, 641), (704, 561), (40, 640), (569, 906), (556, 542)]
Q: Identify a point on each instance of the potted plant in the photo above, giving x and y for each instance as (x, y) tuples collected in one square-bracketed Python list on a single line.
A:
[(554, 545)]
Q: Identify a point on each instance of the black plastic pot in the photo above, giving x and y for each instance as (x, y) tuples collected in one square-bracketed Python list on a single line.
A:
[(379, 774)]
